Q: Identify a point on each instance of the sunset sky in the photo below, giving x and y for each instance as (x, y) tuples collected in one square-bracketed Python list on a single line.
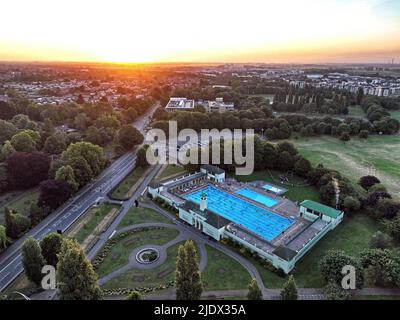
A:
[(200, 31)]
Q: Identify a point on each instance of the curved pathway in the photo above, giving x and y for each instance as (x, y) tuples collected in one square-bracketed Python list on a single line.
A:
[(162, 250), (200, 238)]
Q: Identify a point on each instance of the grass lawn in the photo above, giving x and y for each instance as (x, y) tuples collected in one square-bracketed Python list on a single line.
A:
[(294, 193), (351, 236), (141, 215), (356, 111), (223, 272), (96, 216), (170, 170), (121, 250), (151, 277), (21, 204), (124, 189), (377, 155), (395, 114)]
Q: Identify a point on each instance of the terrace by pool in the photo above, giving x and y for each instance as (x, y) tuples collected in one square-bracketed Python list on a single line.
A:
[(267, 201), (262, 222)]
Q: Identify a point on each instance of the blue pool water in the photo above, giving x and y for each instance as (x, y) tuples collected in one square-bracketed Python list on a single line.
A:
[(258, 220), (267, 201)]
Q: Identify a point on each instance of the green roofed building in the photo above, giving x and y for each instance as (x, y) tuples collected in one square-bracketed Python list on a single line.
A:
[(312, 210)]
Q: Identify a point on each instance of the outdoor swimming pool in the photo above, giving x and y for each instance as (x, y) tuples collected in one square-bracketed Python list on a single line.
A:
[(264, 223), (267, 201)]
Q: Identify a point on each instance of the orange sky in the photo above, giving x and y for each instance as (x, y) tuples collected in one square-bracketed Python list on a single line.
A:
[(201, 31)]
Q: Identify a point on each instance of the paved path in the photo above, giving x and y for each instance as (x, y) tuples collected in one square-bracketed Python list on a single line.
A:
[(162, 250), (200, 238)]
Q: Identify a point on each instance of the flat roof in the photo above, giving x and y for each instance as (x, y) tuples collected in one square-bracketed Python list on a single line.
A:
[(212, 169), (319, 207)]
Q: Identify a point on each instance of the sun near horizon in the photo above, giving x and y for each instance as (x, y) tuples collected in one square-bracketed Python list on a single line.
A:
[(122, 31)]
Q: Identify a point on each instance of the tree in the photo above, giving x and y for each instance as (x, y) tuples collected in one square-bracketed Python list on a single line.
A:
[(66, 173), (393, 227), (94, 136), (6, 151), (55, 144), (363, 134), (3, 177), (32, 260), (289, 290), (51, 247), (333, 291), (7, 111), (23, 142), (368, 181), (26, 170), (187, 276), (141, 160), (53, 193), (134, 295), (327, 193), (92, 154), (285, 161), (75, 275), (129, 136), (332, 263), (351, 204), (254, 291), (383, 266), (302, 167), (16, 224), (270, 156), (3, 238), (37, 214), (386, 208), (344, 136), (82, 170), (380, 240), (7, 130), (360, 95), (288, 147)]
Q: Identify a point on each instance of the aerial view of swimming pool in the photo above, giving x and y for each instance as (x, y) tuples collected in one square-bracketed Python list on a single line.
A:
[(267, 201), (264, 223)]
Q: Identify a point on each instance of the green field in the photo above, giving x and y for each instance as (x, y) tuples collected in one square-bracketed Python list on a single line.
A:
[(294, 193), (171, 170), (21, 204), (378, 155), (150, 277), (96, 216), (395, 114), (223, 273), (356, 111), (352, 236), (142, 215), (124, 189), (120, 252)]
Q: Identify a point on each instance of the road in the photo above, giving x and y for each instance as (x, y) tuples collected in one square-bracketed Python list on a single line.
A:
[(70, 212)]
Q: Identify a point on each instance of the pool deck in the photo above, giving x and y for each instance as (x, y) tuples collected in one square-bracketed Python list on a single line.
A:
[(284, 208)]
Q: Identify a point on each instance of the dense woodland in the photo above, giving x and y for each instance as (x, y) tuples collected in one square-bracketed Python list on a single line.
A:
[(38, 148)]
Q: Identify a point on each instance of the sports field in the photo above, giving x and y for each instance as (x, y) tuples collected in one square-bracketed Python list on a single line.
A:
[(377, 155)]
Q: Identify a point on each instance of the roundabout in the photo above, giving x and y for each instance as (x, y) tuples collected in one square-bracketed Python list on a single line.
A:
[(147, 255)]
